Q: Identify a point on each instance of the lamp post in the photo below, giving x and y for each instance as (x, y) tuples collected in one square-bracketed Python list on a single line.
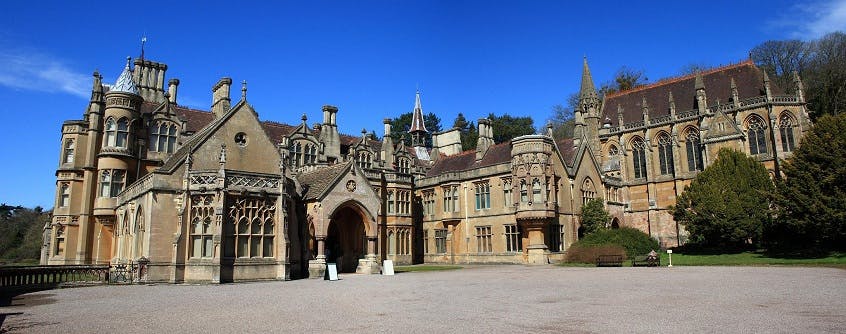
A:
[(670, 253)]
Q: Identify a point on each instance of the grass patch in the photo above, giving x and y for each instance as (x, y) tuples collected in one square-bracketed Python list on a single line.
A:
[(752, 259), (424, 267)]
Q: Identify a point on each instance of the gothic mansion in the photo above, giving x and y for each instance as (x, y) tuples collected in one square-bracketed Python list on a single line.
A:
[(220, 195)]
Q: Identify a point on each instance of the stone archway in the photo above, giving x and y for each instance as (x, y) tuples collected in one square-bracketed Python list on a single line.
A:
[(346, 241), (615, 223)]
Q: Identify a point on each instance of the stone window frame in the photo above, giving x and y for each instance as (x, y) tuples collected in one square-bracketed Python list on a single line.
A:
[(483, 239), (425, 241), (524, 192), (250, 228), (364, 159), (507, 192), (404, 165), (109, 184), (537, 191), (69, 151), (201, 228), (59, 240), (786, 126), (588, 190), (482, 195), (665, 153), (756, 134), (391, 201), (440, 241), (639, 157), (163, 135), (513, 238), (693, 146), (64, 195), (451, 198)]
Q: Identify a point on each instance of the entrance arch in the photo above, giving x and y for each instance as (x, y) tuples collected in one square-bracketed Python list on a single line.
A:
[(615, 223), (346, 239)]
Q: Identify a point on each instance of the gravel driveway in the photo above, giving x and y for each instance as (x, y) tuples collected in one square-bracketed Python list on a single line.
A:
[(484, 299)]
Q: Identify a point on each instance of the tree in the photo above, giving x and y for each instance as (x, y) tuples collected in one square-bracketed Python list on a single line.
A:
[(507, 127), (727, 204), (811, 199), (594, 216), (781, 58), (20, 232), (469, 135), (693, 68), (625, 79), (401, 124)]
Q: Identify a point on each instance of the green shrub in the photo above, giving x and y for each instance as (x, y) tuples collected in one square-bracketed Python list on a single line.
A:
[(632, 240), (580, 253)]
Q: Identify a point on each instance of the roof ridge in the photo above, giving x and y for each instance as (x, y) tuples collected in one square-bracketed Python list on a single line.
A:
[(669, 80)]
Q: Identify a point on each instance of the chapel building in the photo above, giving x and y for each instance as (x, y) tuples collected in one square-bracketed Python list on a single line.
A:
[(221, 195)]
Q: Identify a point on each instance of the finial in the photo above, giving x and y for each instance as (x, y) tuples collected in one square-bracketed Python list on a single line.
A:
[(128, 61), (304, 118), (222, 154), (671, 97), (363, 132), (143, 41), (244, 89)]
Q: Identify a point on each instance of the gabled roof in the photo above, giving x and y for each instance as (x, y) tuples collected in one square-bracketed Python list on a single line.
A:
[(318, 182), (717, 82), (195, 119), (568, 152)]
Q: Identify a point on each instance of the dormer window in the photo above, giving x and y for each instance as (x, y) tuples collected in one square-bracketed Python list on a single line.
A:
[(364, 160), (163, 137), (403, 166)]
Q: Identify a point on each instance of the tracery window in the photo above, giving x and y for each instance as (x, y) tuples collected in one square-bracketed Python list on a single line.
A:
[(440, 241), (202, 211), (428, 202), (786, 126), (122, 133), (64, 195), (163, 137), (298, 151), (111, 182), (665, 153), (404, 205), (451, 199), (588, 191), (249, 231), (310, 154), (110, 132), (694, 151), (639, 157), (483, 196), (391, 201), (755, 127), (70, 147)]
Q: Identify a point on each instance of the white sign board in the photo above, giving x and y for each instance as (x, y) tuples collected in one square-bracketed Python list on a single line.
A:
[(388, 267), (669, 251), (332, 271)]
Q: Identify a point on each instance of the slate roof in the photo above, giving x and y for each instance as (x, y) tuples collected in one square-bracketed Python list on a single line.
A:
[(317, 182), (568, 152), (496, 154), (747, 76)]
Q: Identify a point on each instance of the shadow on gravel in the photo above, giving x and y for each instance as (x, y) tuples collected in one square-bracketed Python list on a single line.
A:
[(18, 297)]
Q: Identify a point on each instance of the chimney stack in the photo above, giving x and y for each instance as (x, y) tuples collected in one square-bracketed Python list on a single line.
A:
[(220, 97), (485, 140), (172, 87)]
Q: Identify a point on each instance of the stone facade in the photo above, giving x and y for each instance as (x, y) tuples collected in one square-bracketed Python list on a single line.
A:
[(220, 195)]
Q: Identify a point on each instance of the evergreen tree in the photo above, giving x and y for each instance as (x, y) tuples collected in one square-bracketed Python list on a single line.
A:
[(594, 216), (811, 199), (727, 204), (507, 127)]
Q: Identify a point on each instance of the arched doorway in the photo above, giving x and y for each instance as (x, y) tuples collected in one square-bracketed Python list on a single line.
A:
[(345, 240), (615, 223)]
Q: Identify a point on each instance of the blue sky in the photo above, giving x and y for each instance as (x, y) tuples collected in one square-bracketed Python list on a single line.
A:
[(366, 57)]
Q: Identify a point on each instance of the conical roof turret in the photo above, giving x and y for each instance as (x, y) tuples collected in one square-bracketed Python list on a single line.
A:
[(124, 82)]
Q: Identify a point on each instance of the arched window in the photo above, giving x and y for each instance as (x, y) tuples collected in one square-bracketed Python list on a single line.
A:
[(70, 147), (755, 127), (110, 133), (694, 151), (267, 242), (536, 191), (364, 160), (122, 133), (588, 191), (639, 157), (391, 201), (64, 195), (665, 153), (785, 126), (201, 237)]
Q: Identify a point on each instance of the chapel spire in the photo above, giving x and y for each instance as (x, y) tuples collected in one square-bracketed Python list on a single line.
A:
[(588, 90)]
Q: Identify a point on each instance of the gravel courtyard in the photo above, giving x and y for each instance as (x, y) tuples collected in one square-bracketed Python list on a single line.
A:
[(484, 299)]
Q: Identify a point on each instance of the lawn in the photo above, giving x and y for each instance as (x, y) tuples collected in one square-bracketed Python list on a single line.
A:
[(424, 267)]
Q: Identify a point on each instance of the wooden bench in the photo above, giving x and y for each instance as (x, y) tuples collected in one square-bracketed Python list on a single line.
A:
[(646, 261), (609, 261)]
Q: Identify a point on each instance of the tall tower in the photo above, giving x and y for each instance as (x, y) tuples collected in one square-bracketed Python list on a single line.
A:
[(587, 113)]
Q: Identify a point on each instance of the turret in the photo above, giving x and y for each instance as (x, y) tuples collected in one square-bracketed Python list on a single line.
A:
[(589, 110), (800, 88), (418, 130), (767, 89), (329, 136)]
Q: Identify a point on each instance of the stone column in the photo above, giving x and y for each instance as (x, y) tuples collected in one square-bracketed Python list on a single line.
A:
[(536, 251), (317, 267), (369, 264)]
